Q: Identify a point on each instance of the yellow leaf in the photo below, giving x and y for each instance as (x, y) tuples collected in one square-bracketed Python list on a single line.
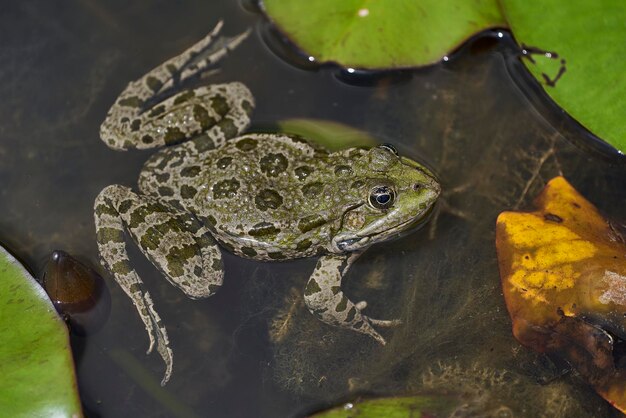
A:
[(563, 271)]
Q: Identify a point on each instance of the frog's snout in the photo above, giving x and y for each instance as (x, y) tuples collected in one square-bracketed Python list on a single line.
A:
[(435, 188), (429, 190)]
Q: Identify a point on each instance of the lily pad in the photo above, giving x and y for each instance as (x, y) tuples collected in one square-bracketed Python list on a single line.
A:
[(35, 358), (563, 270), (416, 406), (331, 135), (373, 34), (575, 49)]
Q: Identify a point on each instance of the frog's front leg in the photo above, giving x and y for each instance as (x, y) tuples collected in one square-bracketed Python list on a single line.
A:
[(325, 299), (174, 240), (146, 115)]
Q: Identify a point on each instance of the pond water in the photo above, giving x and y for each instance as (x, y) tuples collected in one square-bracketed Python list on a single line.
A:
[(253, 350)]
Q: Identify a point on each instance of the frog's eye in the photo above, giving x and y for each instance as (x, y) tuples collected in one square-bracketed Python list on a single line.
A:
[(389, 148), (382, 197)]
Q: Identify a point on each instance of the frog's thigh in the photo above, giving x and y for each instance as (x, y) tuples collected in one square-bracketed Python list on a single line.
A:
[(174, 240), (325, 299)]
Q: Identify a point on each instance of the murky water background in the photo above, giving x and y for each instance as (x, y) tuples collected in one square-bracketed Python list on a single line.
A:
[(253, 350)]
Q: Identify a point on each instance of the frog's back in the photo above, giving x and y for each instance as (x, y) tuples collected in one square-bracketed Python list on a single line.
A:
[(200, 165), (264, 195), (273, 196)]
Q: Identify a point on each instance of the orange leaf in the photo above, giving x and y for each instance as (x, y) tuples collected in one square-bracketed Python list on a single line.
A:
[(563, 271)]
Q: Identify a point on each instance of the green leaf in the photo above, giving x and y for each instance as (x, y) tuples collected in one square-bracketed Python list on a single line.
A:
[(373, 34), (331, 135), (35, 358), (395, 407), (591, 37)]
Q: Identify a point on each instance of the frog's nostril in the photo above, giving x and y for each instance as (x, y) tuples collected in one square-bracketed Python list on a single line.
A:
[(416, 186)]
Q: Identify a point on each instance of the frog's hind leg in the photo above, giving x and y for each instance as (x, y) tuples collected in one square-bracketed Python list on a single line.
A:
[(173, 240), (325, 299), (146, 115)]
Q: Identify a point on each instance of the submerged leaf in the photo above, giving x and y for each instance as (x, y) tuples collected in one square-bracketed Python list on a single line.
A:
[(563, 271), (374, 35), (35, 358), (417, 406), (331, 135), (575, 49), (77, 292)]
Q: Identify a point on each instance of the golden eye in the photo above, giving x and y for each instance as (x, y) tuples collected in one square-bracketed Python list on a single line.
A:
[(382, 197)]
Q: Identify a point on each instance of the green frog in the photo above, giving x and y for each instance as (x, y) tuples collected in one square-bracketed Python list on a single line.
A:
[(259, 196)]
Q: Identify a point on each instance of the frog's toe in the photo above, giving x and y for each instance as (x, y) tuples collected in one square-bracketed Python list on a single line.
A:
[(386, 323), (207, 52), (168, 357), (365, 327), (159, 338)]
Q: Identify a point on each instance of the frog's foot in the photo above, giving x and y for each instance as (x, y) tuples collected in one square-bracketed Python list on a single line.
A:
[(202, 55), (144, 116), (384, 323), (175, 242), (325, 300)]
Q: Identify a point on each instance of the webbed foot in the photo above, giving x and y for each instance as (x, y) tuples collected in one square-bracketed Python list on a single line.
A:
[(148, 114), (325, 299)]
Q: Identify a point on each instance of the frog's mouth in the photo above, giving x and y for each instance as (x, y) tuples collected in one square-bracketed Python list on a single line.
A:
[(348, 241)]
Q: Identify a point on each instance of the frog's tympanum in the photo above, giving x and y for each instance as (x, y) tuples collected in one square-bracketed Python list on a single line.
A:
[(259, 196), (563, 270)]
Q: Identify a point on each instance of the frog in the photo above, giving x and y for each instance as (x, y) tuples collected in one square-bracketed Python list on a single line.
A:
[(212, 187)]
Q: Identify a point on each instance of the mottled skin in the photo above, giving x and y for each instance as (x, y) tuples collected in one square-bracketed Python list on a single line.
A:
[(260, 196)]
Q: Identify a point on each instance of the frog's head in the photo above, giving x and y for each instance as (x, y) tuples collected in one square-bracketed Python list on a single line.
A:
[(396, 194)]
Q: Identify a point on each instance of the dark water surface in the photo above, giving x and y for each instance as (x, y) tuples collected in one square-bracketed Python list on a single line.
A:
[(63, 63)]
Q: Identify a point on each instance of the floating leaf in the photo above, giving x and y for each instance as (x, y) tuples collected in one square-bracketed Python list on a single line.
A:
[(35, 358), (331, 135), (394, 407), (575, 49), (377, 34), (563, 270)]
